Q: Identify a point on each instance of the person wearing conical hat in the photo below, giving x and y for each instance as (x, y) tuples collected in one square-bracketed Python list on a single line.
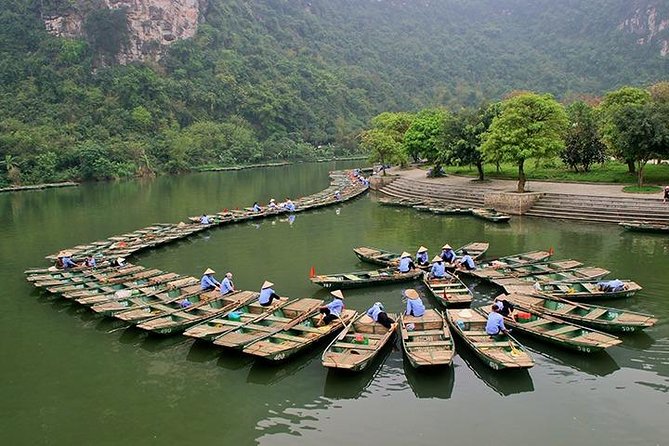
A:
[(337, 195), (272, 205), (447, 254), (378, 314), (289, 205), (209, 282), (495, 324), (227, 286), (90, 262), (406, 264), (119, 261), (415, 306), (204, 220), (65, 260), (466, 262), (438, 270), (267, 294), (333, 310), (421, 256), (256, 207)]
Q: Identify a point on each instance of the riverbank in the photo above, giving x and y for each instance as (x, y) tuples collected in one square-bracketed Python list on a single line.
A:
[(39, 186), (277, 164)]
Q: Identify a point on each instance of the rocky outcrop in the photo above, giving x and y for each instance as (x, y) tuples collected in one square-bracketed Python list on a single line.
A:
[(649, 25), (152, 24)]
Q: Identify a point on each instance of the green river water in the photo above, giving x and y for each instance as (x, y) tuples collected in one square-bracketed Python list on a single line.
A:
[(65, 379)]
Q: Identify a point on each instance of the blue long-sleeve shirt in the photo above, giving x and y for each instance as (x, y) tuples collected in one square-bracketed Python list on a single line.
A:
[(226, 286), (68, 262), (265, 294), (468, 262), (416, 307), (208, 281), (336, 307), (448, 255), (290, 207), (495, 324), (438, 269), (373, 312), (405, 263), (204, 220), (421, 257), (256, 208)]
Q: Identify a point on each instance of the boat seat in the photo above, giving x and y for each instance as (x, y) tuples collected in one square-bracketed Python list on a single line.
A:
[(596, 313), (273, 318), (301, 327), (534, 323), (492, 344), (354, 346), (287, 337), (565, 309), (562, 330), (425, 332), (427, 343), (476, 333), (351, 277)]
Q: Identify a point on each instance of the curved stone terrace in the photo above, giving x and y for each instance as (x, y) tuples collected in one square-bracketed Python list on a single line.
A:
[(573, 201)]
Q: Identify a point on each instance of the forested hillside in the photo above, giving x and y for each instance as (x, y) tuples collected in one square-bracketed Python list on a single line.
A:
[(276, 79)]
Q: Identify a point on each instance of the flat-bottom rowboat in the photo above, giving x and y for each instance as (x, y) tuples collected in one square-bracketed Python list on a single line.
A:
[(426, 340)]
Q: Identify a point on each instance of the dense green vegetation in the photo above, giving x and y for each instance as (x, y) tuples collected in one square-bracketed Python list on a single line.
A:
[(274, 79)]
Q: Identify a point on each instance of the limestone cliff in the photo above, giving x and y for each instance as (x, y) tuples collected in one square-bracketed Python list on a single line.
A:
[(152, 25), (649, 24)]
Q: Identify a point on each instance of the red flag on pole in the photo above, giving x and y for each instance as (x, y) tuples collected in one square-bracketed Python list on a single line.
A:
[(312, 272), (551, 250)]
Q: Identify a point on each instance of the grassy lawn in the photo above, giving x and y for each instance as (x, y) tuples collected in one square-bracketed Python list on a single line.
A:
[(642, 189), (610, 172)]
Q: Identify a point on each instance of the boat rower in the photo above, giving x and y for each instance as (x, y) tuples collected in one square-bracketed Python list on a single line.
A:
[(267, 294), (256, 207), (65, 260), (378, 313), (406, 264), (226, 284), (415, 306), (438, 270), (208, 281), (495, 324), (421, 256), (204, 220), (447, 254), (289, 205), (272, 205), (466, 262), (333, 310)]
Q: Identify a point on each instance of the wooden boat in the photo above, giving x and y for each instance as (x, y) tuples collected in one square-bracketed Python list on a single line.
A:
[(56, 285), (644, 226), (557, 331), (611, 320), (449, 291), (399, 202), (140, 313), (154, 283), (100, 288), (143, 298), (504, 354), (296, 337), (586, 290), (496, 272), (178, 321), (388, 258), (525, 258), (348, 352), (575, 274), (450, 210), (280, 319), (360, 279), (234, 319), (490, 215), (429, 342)]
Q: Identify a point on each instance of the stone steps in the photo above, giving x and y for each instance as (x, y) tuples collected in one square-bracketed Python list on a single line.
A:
[(453, 195)]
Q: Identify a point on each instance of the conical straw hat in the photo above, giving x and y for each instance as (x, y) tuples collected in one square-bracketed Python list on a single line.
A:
[(422, 249), (266, 284), (209, 271), (411, 293), (337, 293), (405, 254), (437, 259), (446, 246)]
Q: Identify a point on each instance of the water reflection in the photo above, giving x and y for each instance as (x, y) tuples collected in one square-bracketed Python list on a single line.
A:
[(504, 382), (267, 372), (340, 384), (430, 382), (598, 364)]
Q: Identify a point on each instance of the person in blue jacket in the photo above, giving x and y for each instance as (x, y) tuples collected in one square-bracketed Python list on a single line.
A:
[(415, 306), (438, 270), (332, 311), (208, 281), (406, 264), (421, 256), (267, 294), (466, 262), (226, 285), (378, 314), (448, 254)]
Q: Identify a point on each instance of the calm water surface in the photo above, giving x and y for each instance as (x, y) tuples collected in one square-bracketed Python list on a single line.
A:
[(65, 379)]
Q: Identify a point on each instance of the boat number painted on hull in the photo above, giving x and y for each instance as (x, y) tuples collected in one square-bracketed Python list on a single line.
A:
[(626, 328), (493, 365), (583, 349), (279, 356)]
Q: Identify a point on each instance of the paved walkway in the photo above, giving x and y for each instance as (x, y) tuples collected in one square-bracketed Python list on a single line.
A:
[(605, 190)]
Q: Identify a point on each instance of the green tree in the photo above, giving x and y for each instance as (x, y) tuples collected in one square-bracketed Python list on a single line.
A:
[(424, 135), (529, 126), (583, 146), (381, 147), (609, 109)]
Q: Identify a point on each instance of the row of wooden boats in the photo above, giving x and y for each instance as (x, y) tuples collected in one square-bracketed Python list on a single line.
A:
[(645, 226), (161, 233), (443, 208), (386, 258)]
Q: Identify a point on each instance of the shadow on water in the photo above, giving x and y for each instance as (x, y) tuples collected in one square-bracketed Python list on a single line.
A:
[(202, 351), (155, 343), (342, 384), (504, 382), (430, 382), (598, 364), (270, 372), (639, 340), (233, 359)]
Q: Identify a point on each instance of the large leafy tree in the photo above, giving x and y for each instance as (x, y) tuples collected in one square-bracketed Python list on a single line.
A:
[(610, 108), (583, 146), (642, 133), (381, 146), (424, 135), (529, 126)]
